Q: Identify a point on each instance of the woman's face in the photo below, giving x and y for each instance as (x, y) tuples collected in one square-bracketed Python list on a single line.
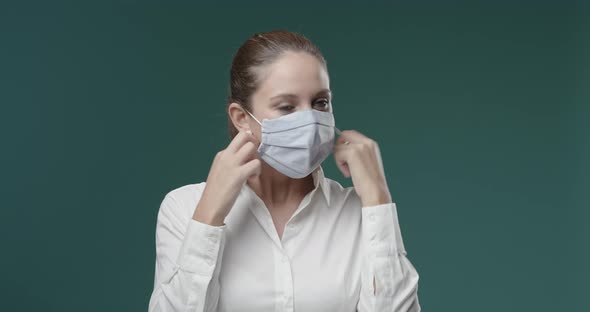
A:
[(296, 81)]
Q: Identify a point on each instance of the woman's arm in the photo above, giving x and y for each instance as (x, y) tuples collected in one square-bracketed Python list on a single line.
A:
[(389, 281), (188, 254), (188, 258)]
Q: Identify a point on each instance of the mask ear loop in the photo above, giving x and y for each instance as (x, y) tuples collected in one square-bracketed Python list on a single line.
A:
[(247, 111), (338, 134), (250, 131)]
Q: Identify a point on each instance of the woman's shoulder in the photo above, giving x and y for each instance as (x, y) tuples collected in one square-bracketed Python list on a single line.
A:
[(187, 191), (181, 201), (345, 206), (340, 194)]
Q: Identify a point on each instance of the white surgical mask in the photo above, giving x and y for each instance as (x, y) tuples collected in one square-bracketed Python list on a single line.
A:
[(297, 143)]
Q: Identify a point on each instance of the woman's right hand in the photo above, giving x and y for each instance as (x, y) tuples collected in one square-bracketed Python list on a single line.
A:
[(231, 168)]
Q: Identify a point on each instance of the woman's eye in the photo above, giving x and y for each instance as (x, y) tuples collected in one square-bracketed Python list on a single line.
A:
[(286, 108), (323, 104)]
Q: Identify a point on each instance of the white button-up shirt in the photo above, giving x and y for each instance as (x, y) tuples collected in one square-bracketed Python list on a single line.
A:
[(330, 250)]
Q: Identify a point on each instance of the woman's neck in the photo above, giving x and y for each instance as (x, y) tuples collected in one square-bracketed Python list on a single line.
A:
[(276, 189)]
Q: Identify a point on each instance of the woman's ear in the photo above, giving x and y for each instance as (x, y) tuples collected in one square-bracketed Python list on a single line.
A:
[(238, 117)]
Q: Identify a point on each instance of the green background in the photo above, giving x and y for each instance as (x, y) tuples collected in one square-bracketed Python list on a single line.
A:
[(482, 113)]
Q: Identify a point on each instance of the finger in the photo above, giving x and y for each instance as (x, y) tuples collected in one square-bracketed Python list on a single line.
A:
[(352, 136), (251, 168), (343, 167), (341, 156), (344, 137), (247, 152), (344, 145), (240, 139), (343, 150), (253, 138)]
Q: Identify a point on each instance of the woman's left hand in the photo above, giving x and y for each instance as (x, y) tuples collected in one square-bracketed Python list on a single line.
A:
[(358, 156)]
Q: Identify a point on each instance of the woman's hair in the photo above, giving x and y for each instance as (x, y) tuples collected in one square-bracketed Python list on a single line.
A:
[(258, 51)]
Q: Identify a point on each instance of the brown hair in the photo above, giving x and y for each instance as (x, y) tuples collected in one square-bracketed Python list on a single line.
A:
[(260, 50)]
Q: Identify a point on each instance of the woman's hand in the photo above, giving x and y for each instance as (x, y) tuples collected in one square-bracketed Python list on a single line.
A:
[(358, 156), (231, 168)]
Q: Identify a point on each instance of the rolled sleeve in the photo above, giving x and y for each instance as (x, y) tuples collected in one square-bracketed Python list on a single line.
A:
[(188, 260), (381, 230), (395, 277), (201, 247)]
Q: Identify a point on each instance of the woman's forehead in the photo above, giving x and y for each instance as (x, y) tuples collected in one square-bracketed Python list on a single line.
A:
[(296, 74)]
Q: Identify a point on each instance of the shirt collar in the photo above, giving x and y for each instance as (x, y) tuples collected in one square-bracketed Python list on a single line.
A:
[(320, 179)]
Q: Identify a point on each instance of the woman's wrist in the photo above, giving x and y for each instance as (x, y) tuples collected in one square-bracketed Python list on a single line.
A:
[(204, 216), (379, 197)]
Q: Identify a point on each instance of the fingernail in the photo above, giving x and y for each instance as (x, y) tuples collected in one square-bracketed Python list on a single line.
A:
[(249, 132)]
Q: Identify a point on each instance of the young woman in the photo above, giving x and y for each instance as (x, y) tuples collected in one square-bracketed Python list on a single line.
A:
[(267, 231)]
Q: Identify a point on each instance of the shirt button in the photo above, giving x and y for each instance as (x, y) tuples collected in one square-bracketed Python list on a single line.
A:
[(210, 261), (372, 217), (285, 259)]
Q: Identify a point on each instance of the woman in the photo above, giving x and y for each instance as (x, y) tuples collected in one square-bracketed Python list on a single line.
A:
[(267, 231)]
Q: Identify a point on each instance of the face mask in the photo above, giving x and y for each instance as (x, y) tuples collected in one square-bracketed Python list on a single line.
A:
[(297, 143)]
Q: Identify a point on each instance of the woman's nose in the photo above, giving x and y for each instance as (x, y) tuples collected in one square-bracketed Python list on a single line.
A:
[(306, 106)]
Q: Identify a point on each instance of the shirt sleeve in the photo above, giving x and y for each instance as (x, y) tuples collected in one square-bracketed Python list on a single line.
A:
[(188, 258), (385, 259)]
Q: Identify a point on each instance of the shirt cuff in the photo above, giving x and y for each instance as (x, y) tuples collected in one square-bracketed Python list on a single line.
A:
[(381, 230), (201, 247)]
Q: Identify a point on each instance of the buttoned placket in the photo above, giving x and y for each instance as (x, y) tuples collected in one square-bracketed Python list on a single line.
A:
[(283, 270), (283, 279), (372, 221)]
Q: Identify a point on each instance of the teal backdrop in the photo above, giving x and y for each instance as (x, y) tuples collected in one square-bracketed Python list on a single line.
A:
[(481, 110)]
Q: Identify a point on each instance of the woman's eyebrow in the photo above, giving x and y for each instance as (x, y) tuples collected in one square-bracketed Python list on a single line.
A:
[(294, 96), (284, 95), (324, 92)]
